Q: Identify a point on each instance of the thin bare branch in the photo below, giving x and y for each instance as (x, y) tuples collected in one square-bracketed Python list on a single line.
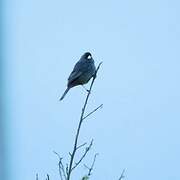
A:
[(37, 178), (92, 166), (100, 106), (67, 169), (81, 146), (63, 170), (57, 155), (83, 156), (62, 173), (122, 175), (79, 126), (98, 68), (48, 177), (86, 166)]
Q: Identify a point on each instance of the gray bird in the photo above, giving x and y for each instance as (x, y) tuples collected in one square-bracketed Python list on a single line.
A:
[(83, 71)]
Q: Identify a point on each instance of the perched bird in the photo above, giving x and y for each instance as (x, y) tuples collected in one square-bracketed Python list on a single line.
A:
[(83, 71)]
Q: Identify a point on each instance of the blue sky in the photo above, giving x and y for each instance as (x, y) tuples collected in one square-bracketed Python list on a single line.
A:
[(138, 83)]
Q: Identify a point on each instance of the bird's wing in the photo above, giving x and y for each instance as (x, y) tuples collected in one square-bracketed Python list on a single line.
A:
[(78, 70), (80, 65), (74, 75)]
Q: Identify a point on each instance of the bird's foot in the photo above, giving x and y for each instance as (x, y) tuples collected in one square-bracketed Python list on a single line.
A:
[(86, 89)]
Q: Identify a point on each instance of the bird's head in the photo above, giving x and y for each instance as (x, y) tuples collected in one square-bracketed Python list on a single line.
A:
[(87, 55)]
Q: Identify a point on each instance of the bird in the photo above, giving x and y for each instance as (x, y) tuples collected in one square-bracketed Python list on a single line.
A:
[(82, 72)]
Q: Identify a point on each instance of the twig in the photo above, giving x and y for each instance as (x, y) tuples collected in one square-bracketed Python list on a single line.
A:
[(79, 125), (83, 156), (61, 167), (67, 169), (37, 176), (122, 175), (81, 145), (92, 166), (93, 111), (48, 177)]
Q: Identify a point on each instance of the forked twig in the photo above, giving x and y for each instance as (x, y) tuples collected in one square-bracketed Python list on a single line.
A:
[(62, 173), (81, 145), (92, 166), (83, 156), (100, 106)]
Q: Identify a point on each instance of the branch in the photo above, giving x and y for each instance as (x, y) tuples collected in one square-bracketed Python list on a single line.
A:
[(93, 111), (81, 146), (79, 126), (83, 156), (48, 177), (92, 166), (61, 167), (122, 175), (37, 176), (67, 169)]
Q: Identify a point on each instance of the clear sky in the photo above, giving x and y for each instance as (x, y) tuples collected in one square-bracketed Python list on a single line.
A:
[(138, 83)]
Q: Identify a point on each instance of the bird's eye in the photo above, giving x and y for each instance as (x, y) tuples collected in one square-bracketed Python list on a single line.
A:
[(89, 57)]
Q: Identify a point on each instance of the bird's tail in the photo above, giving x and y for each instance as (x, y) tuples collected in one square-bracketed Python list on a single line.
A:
[(65, 92)]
